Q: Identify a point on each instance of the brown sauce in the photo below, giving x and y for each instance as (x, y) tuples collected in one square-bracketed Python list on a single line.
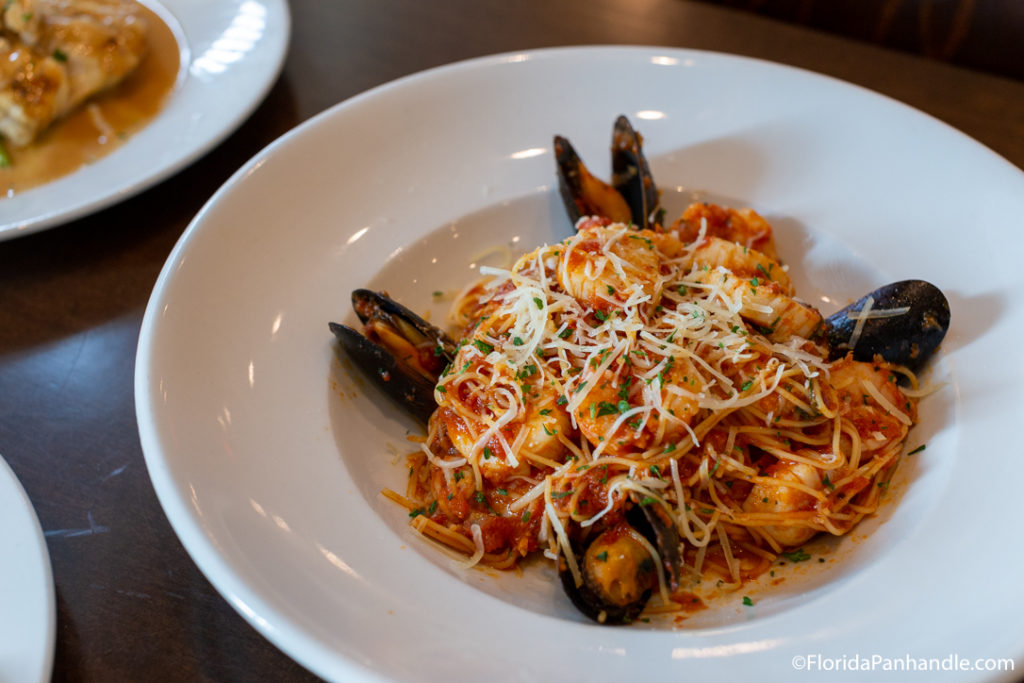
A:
[(76, 140)]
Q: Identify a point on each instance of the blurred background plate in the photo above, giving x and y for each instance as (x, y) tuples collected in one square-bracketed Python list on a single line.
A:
[(231, 53)]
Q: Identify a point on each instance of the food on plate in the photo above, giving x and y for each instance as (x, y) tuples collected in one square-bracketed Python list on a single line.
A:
[(57, 53), (648, 406), (57, 57)]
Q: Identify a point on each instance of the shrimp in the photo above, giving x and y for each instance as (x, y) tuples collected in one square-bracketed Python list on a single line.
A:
[(604, 266), (610, 417), (763, 303), (745, 226), (858, 387), (497, 421), (743, 261), (785, 490)]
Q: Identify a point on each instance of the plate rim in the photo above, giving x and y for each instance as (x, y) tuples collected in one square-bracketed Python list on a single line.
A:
[(41, 559)]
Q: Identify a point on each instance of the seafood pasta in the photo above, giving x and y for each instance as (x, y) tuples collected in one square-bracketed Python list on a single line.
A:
[(663, 371)]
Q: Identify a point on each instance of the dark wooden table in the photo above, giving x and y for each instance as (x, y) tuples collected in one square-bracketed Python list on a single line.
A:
[(131, 603)]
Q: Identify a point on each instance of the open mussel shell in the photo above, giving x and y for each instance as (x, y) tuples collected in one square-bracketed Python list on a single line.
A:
[(617, 570), (401, 352), (410, 389), (661, 530), (631, 198), (906, 322), (370, 305), (631, 174), (583, 194), (618, 576)]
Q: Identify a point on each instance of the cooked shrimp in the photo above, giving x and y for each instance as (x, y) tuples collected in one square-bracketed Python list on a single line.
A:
[(606, 266), (626, 412), (744, 262), (859, 386), (785, 490), (496, 421), (745, 226), (763, 303)]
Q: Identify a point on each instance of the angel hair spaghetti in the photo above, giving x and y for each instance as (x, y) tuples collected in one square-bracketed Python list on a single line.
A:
[(669, 370)]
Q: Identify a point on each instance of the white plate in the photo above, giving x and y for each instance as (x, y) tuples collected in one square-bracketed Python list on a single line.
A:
[(28, 612), (268, 454), (231, 53)]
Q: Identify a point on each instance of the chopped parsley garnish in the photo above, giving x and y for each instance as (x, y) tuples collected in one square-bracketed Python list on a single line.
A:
[(917, 450), (797, 555), (483, 346), (527, 371), (747, 601)]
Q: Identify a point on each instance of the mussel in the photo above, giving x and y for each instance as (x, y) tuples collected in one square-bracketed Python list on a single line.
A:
[(402, 352), (632, 196), (631, 174), (616, 570), (903, 322)]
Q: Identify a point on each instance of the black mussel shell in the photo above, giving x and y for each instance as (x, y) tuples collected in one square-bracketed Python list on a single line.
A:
[(618, 571), (618, 575), (407, 387), (659, 528), (907, 338), (631, 175), (582, 193), (369, 304)]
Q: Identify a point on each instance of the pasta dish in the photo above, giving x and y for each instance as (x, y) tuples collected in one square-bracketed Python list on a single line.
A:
[(666, 370)]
